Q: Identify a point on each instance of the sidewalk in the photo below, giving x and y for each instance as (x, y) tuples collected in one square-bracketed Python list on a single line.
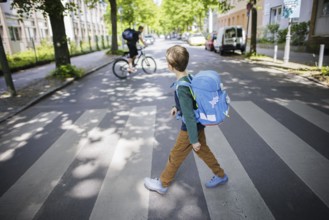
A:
[(307, 59), (32, 86)]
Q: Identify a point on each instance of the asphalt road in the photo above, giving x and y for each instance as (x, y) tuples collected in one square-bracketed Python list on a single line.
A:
[(83, 152)]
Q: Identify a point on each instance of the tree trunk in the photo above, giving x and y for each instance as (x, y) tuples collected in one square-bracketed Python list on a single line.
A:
[(114, 46), (253, 43), (6, 70), (55, 10)]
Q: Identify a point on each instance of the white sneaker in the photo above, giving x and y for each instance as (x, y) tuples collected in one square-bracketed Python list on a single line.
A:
[(155, 185)]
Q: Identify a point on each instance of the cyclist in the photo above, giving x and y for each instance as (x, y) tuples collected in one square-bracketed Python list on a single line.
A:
[(132, 46)]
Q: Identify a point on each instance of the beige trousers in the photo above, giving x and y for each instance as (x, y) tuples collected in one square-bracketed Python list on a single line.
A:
[(180, 151)]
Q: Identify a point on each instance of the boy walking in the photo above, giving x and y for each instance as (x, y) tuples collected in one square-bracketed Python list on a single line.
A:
[(191, 135)]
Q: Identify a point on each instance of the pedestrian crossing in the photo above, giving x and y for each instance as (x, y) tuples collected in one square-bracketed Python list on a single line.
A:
[(92, 172)]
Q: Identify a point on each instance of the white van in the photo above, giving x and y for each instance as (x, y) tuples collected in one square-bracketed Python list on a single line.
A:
[(229, 39)]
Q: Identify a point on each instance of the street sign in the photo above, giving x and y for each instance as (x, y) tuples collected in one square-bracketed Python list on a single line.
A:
[(291, 8)]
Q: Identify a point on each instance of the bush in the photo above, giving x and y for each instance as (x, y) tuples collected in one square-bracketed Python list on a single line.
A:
[(325, 70), (264, 40), (282, 35), (67, 71), (273, 29), (299, 32), (117, 52)]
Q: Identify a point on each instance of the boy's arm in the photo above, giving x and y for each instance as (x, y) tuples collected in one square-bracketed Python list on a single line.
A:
[(186, 104)]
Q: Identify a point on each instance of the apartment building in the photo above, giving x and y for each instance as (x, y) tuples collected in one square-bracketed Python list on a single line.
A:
[(270, 12), (273, 13), (319, 28), (19, 35), (238, 15), (316, 12)]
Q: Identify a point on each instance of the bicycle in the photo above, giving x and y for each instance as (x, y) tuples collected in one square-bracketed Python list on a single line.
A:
[(120, 66)]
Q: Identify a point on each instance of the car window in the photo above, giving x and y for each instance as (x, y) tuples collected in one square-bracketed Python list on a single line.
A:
[(239, 32), (197, 35)]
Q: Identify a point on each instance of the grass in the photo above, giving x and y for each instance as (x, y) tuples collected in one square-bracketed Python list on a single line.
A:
[(67, 71)]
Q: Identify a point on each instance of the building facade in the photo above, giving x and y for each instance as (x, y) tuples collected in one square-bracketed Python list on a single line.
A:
[(319, 28), (273, 13), (238, 15), (22, 35), (316, 12)]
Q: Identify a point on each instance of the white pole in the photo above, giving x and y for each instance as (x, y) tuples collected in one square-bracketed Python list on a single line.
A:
[(210, 21), (287, 46), (321, 55), (275, 52)]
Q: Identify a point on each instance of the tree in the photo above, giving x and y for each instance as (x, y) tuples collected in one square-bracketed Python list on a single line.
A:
[(134, 12), (180, 14), (114, 10), (55, 10)]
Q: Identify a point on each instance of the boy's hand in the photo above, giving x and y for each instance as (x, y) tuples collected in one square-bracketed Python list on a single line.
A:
[(196, 146), (173, 111)]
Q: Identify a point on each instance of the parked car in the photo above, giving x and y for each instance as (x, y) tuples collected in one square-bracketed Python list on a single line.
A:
[(230, 38), (149, 39), (185, 36), (196, 39), (209, 45)]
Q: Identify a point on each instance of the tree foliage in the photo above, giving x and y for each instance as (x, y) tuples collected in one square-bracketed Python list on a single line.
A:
[(179, 15), (137, 12)]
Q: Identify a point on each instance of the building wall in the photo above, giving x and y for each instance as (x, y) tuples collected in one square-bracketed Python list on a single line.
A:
[(239, 16), (273, 13), (19, 36), (313, 11), (319, 30)]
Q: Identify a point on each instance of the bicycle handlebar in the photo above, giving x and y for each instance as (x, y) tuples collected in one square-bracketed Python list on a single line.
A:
[(141, 48)]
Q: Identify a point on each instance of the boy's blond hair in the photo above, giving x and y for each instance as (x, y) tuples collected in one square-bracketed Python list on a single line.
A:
[(178, 57)]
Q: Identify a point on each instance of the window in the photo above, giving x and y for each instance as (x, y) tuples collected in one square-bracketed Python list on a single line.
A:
[(275, 16), (239, 32), (325, 8), (14, 33)]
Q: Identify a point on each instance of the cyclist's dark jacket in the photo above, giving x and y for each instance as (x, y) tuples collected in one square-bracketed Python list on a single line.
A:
[(185, 104), (132, 45)]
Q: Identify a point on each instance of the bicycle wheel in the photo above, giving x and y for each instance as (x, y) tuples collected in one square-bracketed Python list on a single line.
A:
[(149, 65), (120, 68)]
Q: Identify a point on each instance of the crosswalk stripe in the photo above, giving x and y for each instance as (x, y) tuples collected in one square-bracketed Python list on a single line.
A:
[(22, 132), (26, 196), (83, 179), (122, 195), (314, 116), (237, 199), (307, 163)]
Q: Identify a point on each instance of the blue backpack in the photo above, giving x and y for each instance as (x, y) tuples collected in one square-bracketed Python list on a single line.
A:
[(130, 35), (212, 101)]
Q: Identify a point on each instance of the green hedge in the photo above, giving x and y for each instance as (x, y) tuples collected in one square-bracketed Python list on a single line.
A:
[(42, 55)]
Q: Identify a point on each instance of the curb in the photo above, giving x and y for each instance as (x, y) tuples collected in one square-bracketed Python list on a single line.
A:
[(283, 68), (39, 98)]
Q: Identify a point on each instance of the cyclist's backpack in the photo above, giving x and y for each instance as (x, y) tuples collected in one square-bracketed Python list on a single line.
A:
[(130, 35), (211, 99)]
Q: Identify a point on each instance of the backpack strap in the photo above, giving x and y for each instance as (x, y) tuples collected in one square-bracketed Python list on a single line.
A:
[(178, 83), (187, 84)]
